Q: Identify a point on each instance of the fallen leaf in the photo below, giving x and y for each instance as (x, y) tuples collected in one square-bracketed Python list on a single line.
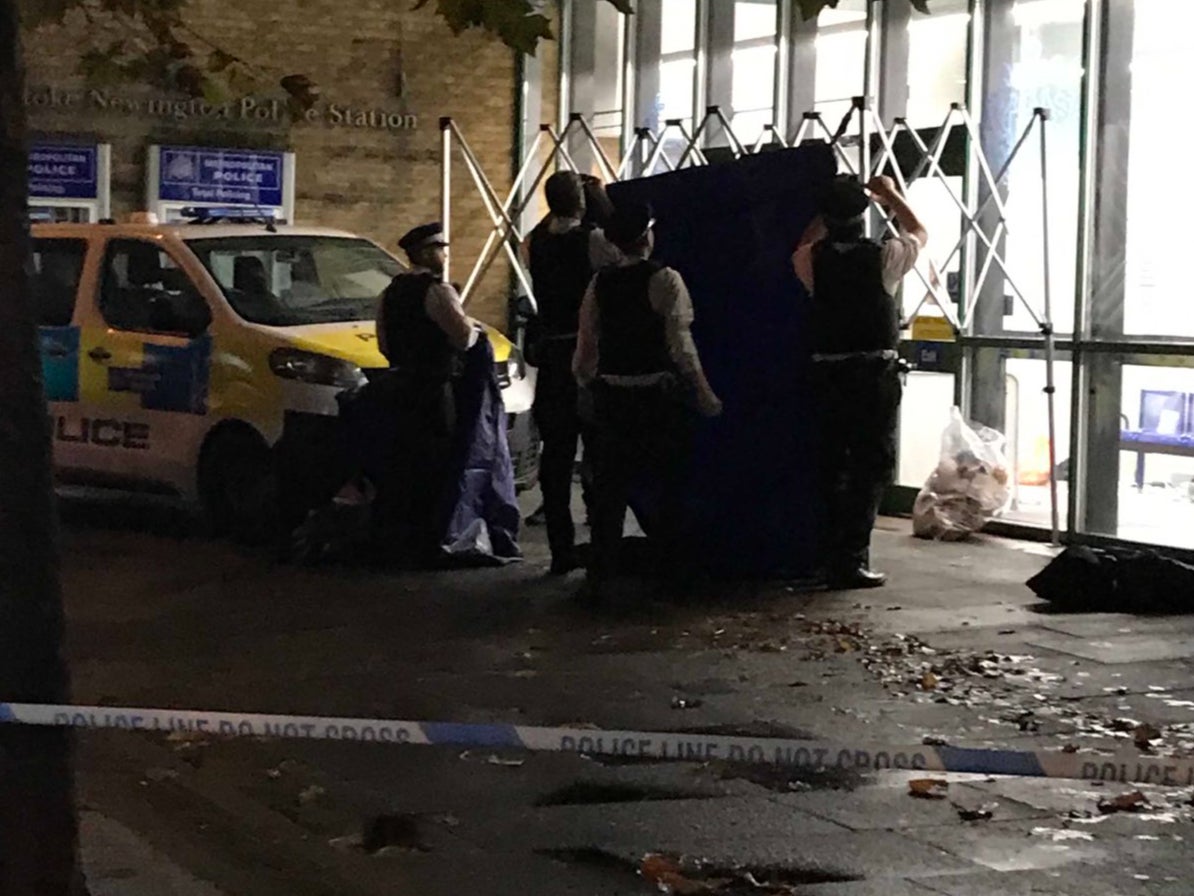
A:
[(928, 788), (1125, 802), (1145, 734), (311, 794), (982, 813), (929, 682), (667, 876)]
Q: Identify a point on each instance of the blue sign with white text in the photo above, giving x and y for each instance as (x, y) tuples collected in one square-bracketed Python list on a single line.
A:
[(63, 172), (230, 177)]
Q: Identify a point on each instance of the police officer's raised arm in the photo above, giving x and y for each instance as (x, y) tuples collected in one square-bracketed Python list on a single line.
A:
[(444, 307), (884, 190)]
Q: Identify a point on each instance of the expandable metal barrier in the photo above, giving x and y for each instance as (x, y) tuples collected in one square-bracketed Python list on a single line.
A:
[(982, 234)]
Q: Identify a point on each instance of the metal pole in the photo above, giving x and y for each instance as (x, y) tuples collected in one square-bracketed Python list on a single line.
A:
[(493, 205), (559, 139), (659, 147), (633, 151), (1047, 330), (606, 164), (993, 254), (738, 146), (806, 122), (445, 127), (692, 150)]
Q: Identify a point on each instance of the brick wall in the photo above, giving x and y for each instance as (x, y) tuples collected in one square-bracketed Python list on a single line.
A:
[(364, 54)]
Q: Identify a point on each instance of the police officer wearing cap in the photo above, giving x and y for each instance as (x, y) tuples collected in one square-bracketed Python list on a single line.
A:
[(854, 326), (421, 329), (635, 349), (563, 254)]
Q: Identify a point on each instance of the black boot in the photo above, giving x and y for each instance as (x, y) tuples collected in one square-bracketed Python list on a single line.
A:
[(854, 579)]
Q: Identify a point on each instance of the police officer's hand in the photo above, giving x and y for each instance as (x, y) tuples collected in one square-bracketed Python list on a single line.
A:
[(882, 187)]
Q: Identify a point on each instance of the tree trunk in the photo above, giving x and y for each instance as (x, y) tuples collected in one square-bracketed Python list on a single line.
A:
[(38, 831)]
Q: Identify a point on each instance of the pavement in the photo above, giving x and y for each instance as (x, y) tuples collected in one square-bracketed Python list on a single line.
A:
[(955, 649)]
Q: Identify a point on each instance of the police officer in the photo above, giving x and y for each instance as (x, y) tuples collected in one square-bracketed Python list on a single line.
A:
[(635, 348), (563, 254), (854, 326), (421, 329)]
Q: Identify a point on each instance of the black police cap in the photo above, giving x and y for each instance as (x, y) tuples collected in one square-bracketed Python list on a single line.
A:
[(844, 199), (422, 237), (629, 223)]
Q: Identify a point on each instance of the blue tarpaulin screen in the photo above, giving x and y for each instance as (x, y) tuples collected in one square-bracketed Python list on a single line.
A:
[(730, 230)]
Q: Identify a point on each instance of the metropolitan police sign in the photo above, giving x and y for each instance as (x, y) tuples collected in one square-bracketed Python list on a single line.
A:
[(239, 177), (63, 172)]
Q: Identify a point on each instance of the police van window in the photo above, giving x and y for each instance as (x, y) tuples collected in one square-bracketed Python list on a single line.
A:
[(287, 281), (143, 289), (57, 267)]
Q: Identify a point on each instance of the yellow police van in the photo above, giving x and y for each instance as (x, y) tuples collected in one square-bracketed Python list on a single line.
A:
[(185, 359)]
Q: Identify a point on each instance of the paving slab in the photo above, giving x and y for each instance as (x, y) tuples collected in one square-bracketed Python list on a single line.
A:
[(888, 886), (861, 856), (1117, 649), (1015, 846), (117, 862), (1069, 881), (894, 809)]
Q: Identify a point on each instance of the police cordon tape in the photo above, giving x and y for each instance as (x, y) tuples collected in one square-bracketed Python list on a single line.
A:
[(1124, 768)]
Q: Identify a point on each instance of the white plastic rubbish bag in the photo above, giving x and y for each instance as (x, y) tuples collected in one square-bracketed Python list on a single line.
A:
[(969, 486)]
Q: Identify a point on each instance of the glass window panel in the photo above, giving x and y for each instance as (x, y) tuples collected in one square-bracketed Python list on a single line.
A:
[(754, 19), (841, 66), (924, 414), (1156, 468), (678, 26), (936, 63), (1047, 72), (609, 59), (754, 79), (676, 89), (931, 201), (1027, 433), (1156, 291)]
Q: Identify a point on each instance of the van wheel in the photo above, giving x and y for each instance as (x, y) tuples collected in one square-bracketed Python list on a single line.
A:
[(239, 486)]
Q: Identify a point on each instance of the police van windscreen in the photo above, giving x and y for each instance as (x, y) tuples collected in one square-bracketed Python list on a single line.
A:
[(288, 281)]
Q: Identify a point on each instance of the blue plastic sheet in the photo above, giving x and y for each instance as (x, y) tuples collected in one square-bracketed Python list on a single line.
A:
[(730, 230), (484, 519)]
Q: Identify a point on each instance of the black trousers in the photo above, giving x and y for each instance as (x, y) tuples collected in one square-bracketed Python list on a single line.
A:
[(562, 431), (858, 403), (642, 436), (411, 508)]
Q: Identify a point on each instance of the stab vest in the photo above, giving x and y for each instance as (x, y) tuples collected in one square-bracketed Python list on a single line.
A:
[(561, 271), (415, 342), (632, 339), (851, 310)]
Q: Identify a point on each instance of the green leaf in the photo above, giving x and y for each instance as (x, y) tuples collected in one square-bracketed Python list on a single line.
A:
[(514, 22), (810, 9), (215, 91)]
